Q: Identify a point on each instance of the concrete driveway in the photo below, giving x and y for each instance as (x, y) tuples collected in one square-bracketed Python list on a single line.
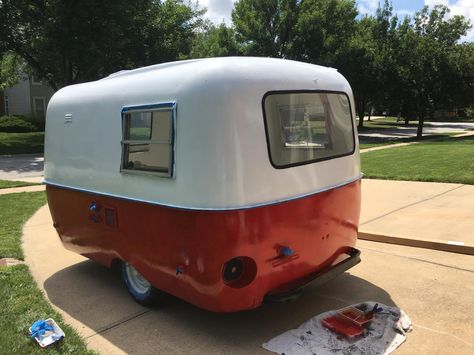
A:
[(26, 167), (422, 214), (434, 288)]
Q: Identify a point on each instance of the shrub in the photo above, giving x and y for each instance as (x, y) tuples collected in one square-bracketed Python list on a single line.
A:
[(19, 124), (38, 122), (470, 112)]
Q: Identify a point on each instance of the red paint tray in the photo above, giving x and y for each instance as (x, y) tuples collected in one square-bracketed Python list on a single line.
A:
[(342, 326), (355, 315), (348, 321)]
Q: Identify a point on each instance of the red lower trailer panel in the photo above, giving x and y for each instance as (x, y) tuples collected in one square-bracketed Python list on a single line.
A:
[(219, 260)]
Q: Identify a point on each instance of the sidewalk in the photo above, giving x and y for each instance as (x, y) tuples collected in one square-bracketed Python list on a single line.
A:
[(422, 214), (14, 190)]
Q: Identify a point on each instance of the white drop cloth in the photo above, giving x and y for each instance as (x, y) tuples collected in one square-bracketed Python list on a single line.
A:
[(383, 335)]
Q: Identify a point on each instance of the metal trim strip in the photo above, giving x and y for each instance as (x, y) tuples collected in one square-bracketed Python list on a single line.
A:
[(245, 207)]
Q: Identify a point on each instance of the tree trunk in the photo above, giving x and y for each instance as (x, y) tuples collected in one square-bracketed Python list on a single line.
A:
[(421, 120), (360, 105), (361, 119)]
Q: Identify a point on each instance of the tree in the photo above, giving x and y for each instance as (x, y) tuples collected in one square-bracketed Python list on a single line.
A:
[(323, 30), (368, 60), (216, 41), (11, 69), (358, 63), (460, 83), (425, 59), (265, 27), (67, 41)]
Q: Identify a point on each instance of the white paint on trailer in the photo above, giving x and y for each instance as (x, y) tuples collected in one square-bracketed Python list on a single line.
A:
[(221, 156)]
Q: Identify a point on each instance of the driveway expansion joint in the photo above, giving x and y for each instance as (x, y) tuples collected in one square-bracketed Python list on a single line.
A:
[(443, 333), (118, 323), (411, 204), (418, 259)]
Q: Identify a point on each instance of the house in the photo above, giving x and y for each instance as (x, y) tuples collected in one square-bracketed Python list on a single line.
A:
[(28, 98)]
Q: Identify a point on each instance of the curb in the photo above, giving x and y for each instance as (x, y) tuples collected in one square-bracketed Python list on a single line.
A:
[(427, 244)]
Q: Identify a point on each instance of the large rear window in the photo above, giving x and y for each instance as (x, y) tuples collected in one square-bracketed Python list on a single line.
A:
[(304, 127)]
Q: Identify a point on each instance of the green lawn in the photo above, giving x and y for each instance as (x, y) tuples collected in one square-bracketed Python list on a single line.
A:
[(15, 210), (21, 302), (21, 143), (6, 184), (404, 140), (377, 144), (441, 160)]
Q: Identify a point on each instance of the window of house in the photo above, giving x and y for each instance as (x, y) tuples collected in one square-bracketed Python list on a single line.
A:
[(34, 81), (39, 106), (147, 143), (304, 127)]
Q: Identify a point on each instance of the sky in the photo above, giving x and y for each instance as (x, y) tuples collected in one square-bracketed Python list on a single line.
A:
[(220, 10)]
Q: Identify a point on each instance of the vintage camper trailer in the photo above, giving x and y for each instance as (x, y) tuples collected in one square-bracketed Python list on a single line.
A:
[(222, 181)]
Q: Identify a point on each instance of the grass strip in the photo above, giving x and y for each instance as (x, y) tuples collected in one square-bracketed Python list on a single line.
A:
[(376, 144), (15, 210), (21, 143), (21, 302), (7, 184), (437, 160), (385, 141)]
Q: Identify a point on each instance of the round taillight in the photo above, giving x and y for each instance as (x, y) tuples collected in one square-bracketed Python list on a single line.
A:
[(239, 271), (233, 269)]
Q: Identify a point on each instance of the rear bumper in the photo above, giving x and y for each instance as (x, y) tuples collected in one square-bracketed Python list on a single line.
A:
[(318, 278)]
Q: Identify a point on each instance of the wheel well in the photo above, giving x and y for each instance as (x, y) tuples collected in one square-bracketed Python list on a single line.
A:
[(115, 265)]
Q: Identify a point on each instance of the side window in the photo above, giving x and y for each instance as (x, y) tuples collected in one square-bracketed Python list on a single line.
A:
[(147, 142)]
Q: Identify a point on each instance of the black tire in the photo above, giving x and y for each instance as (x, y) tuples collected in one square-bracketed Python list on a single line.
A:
[(139, 288)]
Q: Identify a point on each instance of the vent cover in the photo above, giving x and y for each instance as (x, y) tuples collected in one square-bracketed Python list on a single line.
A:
[(110, 217)]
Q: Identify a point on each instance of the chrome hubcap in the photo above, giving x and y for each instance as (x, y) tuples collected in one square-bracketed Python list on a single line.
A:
[(137, 281)]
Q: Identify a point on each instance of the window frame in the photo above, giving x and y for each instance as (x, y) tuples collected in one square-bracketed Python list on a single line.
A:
[(43, 99), (34, 81), (267, 136), (166, 106)]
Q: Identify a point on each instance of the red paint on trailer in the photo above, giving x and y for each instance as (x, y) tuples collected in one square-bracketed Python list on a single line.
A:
[(157, 240)]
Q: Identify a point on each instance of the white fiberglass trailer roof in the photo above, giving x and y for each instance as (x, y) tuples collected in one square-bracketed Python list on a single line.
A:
[(220, 155)]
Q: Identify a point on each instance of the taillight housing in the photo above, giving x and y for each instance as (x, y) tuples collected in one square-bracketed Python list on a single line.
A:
[(239, 271)]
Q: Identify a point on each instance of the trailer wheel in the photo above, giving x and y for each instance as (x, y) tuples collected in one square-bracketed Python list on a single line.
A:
[(139, 288)]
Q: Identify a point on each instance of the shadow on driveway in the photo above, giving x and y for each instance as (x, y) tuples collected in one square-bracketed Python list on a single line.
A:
[(96, 297)]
